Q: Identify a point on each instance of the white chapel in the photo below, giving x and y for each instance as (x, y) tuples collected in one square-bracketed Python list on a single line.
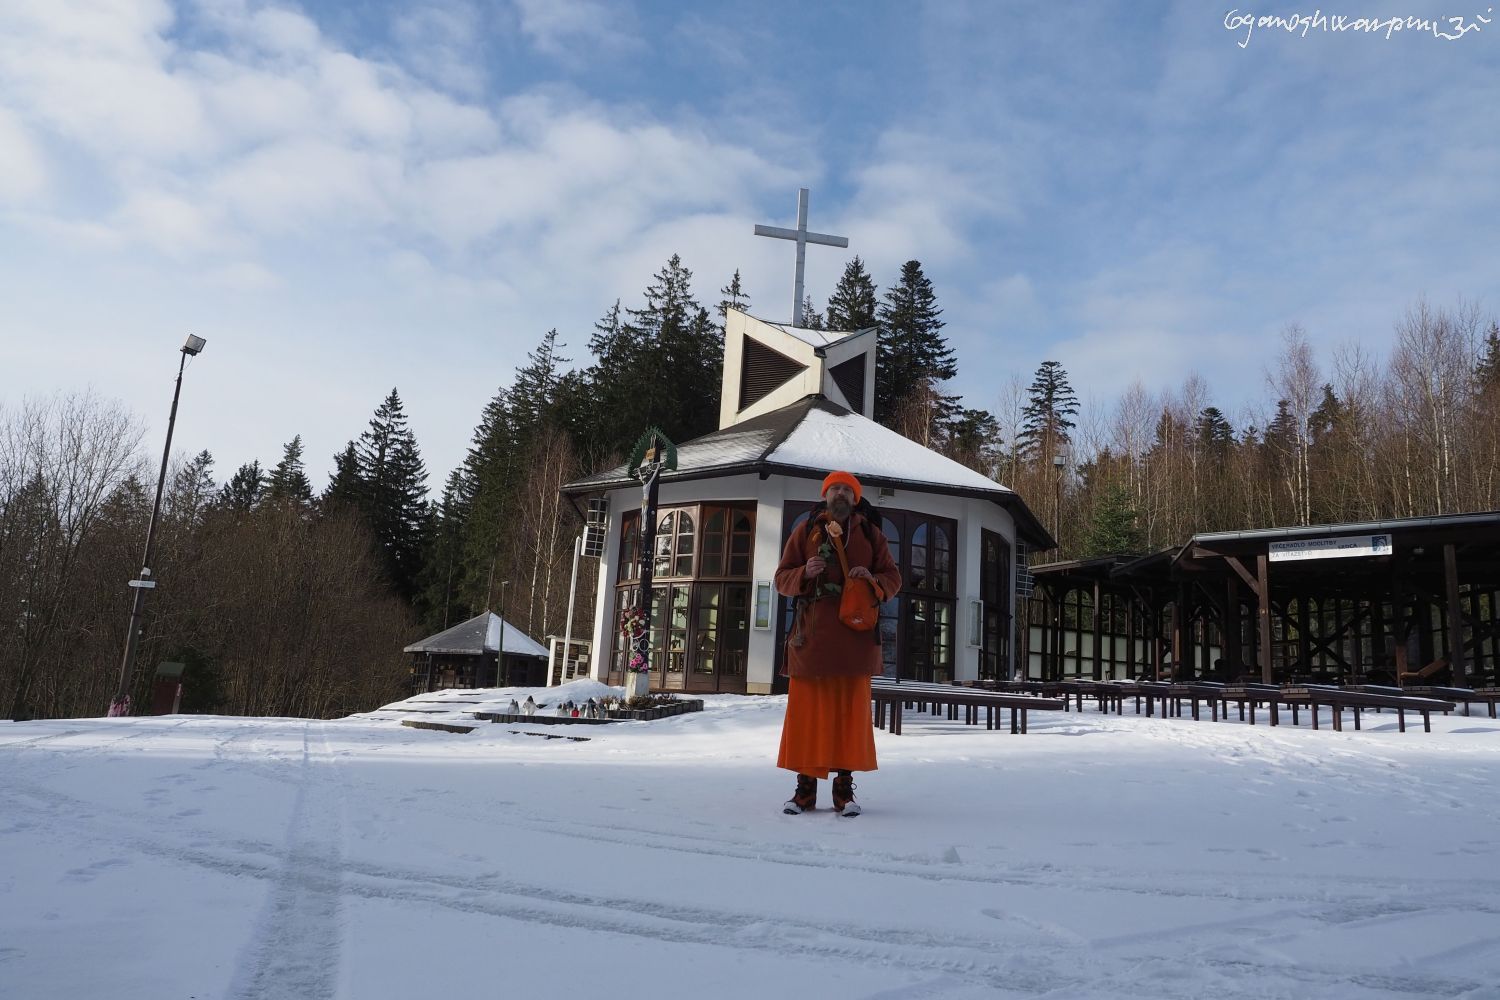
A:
[(796, 404)]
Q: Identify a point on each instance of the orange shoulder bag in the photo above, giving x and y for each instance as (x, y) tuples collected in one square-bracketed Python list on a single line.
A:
[(859, 604)]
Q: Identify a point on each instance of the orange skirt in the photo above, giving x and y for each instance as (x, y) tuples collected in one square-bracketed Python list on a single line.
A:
[(828, 726)]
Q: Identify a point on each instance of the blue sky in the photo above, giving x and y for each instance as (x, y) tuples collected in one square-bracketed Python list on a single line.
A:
[(343, 197)]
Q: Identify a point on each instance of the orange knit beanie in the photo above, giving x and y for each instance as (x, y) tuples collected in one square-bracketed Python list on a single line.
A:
[(847, 478)]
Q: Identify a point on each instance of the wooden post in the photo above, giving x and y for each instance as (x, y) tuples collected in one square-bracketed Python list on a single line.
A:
[(1180, 640), (1263, 579), (1130, 630), (1233, 648), (1155, 637), (1059, 597), (1304, 646), (1205, 660), (1456, 657), (1098, 634)]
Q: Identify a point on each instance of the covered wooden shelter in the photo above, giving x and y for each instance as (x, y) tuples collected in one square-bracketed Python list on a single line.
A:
[(1399, 601), (469, 655)]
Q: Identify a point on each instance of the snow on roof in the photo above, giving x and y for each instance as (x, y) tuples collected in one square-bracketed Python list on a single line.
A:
[(837, 439), (517, 643), (816, 338), (479, 634), (814, 434)]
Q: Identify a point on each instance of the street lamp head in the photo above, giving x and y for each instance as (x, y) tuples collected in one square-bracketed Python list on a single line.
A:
[(194, 345)]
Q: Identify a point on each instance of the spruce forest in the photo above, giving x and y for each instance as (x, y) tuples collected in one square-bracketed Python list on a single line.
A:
[(283, 599)]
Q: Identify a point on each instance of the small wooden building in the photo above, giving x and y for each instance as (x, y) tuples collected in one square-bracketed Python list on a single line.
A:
[(469, 655)]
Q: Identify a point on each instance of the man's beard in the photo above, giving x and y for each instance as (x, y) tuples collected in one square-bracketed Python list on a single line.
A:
[(840, 508)]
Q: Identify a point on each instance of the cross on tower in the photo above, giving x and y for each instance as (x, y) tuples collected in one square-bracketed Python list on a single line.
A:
[(802, 238)]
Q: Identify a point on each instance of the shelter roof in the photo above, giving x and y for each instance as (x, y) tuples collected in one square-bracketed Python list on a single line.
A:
[(480, 634), (1460, 525), (1099, 567)]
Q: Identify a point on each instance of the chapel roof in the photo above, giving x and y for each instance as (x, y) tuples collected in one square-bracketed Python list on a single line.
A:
[(807, 438)]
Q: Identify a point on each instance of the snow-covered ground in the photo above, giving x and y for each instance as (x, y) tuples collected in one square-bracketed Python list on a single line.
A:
[(197, 857)]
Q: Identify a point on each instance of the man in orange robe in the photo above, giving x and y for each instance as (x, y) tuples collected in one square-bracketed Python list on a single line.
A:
[(828, 725)]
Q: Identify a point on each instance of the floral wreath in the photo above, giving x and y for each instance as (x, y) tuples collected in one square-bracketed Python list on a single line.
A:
[(633, 625)]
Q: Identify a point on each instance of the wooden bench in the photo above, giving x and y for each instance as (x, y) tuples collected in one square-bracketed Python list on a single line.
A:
[(1359, 698), (1193, 692), (1250, 695), (1467, 696), (890, 697)]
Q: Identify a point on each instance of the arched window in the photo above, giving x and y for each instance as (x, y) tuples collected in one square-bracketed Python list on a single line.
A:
[(630, 547)]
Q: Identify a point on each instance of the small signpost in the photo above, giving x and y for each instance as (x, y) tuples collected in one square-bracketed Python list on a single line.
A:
[(653, 454)]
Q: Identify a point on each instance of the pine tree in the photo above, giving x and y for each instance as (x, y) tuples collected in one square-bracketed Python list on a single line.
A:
[(735, 297), (245, 489), (912, 348), (1049, 413), (1112, 526), (682, 357), (605, 338), (440, 602), (533, 394), (344, 491), (192, 489), (485, 498), (1487, 372), (853, 304), (973, 438), (288, 484), (394, 483), (812, 319), (1325, 420), (1215, 433)]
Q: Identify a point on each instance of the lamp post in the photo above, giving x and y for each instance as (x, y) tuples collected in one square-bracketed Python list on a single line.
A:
[(121, 703), (500, 653), (1058, 461)]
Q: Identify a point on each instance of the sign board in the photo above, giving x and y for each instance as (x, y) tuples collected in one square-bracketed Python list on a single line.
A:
[(1339, 547)]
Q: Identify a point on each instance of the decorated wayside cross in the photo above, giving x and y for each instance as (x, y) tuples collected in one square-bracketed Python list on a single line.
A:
[(652, 455)]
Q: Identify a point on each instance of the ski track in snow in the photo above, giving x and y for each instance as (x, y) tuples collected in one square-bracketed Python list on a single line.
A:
[(296, 945)]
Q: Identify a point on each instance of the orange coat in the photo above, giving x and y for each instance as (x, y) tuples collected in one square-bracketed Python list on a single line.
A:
[(829, 647)]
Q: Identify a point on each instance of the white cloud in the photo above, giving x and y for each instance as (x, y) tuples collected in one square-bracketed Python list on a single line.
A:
[(98, 75), (926, 196), (23, 165), (575, 29), (171, 224), (244, 276), (303, 184), (440, 42)]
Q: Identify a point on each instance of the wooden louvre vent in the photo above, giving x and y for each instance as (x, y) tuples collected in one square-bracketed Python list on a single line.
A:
[(763, 370), (849, 376)]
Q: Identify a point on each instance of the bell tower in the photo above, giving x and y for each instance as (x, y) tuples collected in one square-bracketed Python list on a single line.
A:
[(768, 366)]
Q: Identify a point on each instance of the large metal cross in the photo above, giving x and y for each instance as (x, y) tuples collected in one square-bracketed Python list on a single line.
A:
[(802, 238)]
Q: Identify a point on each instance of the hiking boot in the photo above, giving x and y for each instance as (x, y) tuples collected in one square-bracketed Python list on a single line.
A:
[(843, 795), (804, 798)]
